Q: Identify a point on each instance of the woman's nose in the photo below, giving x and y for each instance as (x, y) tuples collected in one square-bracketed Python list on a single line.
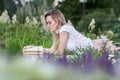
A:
[(48, 26)]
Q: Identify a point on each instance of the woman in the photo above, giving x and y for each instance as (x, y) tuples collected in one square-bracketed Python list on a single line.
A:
[(65, 36)]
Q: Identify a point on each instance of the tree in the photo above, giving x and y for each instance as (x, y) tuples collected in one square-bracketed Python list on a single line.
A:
[(8, 5), (116, 6), (1, 6), (71, 10)]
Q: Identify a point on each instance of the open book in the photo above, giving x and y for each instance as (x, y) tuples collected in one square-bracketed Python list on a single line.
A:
[(34, 50)]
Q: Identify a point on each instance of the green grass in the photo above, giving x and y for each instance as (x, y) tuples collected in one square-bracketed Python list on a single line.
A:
[(15, 37)]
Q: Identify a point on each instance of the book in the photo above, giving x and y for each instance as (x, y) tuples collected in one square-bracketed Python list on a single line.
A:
[(34, 50)]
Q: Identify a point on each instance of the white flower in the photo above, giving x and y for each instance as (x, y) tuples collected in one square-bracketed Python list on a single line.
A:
[(110, 56), (14, 19), (24, 1), (103, 36), (5, 17), (27, 20), (42, 19), (35, 21), (92, 25), (56, 2), (113, 61), (92, 22), (69, 21)]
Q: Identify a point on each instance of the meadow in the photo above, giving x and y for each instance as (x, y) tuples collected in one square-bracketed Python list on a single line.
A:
[(15, 35)]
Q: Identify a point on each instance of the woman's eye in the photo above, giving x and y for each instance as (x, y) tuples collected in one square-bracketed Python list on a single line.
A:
[(48, 22)]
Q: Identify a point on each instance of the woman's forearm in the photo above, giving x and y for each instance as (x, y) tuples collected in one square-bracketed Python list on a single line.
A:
[(59, 51)]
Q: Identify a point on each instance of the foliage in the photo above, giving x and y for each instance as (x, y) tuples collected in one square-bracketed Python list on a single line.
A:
[(13, 36), (116, 30), (75, 14), (95, 4), (105, 12), (70, 13), (82, 66), (42, 68), (16, 36), (87, 61), (10, 6), (37, 3), (104, 22), (1, 6), (30, 8), (115, 5), (33, 8), (100, 18)]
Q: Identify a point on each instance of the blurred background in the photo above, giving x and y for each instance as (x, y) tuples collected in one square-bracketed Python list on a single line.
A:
[(22, 23)]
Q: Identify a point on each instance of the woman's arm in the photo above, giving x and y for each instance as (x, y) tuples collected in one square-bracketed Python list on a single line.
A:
[(44, 50), (51, 50), (54, 49), (63, 41)]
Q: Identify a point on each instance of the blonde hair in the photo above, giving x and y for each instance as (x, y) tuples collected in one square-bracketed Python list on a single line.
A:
[(59, 19), (57, 16)]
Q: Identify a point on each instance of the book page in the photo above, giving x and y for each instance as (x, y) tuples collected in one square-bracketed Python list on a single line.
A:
[(35, 48)]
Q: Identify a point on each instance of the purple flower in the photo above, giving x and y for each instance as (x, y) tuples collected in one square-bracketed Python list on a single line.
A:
[(105, 64), (87, 61), (47, 56), (62, 60), (118, 60)]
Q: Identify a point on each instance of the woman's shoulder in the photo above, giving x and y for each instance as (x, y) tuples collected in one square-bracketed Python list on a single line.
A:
[(66, 27)]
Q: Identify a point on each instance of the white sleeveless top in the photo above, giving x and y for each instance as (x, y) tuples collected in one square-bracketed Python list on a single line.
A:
[(75, 39)]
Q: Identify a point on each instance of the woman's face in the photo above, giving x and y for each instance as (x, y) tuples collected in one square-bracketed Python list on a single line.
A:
[(51, 24)]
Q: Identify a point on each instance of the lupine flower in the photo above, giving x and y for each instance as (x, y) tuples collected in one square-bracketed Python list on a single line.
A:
[(105, 64), (87, 61), (84, 62), (62, 60), (47, 56), (118, 60)]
